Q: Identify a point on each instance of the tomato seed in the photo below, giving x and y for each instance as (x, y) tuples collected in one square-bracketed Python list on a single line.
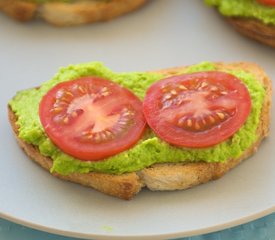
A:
[(167, 96), (182, 87), (90, 136), (189, 123), (68, 93), (66, 120), (57, 109), (204, 84), (212, 120), (74, 114), (174, 92), (197, 126), (221, 115), (109, 134), (82, 89), (105, 94), (214, 89)]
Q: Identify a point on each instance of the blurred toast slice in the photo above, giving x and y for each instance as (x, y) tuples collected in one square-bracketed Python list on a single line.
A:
[(69, 13)]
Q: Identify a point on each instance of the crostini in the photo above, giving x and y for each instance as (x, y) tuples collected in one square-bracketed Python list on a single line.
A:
[(169, 129)]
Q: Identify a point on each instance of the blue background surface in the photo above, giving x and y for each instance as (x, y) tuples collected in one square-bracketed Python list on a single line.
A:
[(260, 229)]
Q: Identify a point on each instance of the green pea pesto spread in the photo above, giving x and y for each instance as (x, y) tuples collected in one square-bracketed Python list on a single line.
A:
[(150, 149), (244, 8)]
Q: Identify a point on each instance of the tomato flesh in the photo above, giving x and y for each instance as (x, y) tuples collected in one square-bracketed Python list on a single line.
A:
[(267, 2), (92, 118), (197, 110)]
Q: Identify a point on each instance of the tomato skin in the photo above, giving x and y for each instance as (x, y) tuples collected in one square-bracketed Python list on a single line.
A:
[(92, 118), (183, 111), (267, 2)]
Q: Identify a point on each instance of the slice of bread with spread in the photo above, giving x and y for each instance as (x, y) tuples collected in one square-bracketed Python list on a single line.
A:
[(68, 13), (250, 18), (165, 175)]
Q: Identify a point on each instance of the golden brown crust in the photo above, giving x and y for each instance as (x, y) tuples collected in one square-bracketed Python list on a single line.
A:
[(19, 10), (69, 14), (254, 29), (123, 186), (163, 176)]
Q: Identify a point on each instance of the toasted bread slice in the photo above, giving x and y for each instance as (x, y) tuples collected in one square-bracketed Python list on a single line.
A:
[(168, 176), (249, 26), (254, 29), (69, 14)]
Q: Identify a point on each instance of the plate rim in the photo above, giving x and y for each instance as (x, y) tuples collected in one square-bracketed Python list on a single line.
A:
[(188, 233)]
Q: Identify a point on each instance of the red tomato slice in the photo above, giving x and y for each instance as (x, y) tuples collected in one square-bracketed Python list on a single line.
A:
[(92, 118), (267, 2), (197, 110)]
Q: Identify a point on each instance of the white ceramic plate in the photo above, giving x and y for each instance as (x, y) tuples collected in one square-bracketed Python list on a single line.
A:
[(162, 34)]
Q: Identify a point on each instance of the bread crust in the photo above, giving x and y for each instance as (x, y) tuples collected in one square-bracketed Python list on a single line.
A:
[(69, 14), (167, 176), (254, 29)]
